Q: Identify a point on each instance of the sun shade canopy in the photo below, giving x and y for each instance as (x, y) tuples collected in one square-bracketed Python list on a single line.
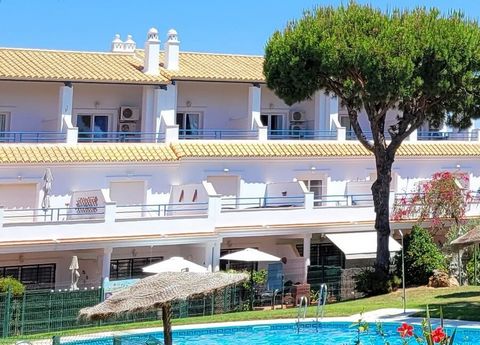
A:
[(250, 255), (174, 264), (360, 245)]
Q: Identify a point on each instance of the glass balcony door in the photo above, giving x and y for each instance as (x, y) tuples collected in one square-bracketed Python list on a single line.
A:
[(93, 127), (274, 122)]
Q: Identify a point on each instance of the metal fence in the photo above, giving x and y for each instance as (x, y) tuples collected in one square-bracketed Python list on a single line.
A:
[(47, 311)]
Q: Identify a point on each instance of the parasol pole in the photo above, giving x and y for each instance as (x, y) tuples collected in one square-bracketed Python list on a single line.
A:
[(475, 264), (167, 323), (251, 286)]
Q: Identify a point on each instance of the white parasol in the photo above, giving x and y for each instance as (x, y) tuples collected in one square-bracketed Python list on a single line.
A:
[(174, 264), (250, 255)]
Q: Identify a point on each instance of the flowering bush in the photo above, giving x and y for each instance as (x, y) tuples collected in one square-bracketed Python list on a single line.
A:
[(428, 336), (444, 196), (407, 332)]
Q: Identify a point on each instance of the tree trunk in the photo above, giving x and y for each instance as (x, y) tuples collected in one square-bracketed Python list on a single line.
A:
[(167, 323), (381, 198)]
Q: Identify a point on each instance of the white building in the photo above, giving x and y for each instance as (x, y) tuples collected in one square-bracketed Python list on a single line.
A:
[(159, 153)]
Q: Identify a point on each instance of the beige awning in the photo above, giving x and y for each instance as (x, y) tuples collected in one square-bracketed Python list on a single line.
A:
[(360, 245)]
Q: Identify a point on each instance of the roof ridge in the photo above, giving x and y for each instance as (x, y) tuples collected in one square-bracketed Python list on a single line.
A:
[(208, 53), (66, 51)]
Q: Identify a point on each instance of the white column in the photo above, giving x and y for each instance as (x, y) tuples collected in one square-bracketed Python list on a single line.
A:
[(65, 105), (332, 109), (105, 260), (148, 117), (216, 256), (165, 110), (254, 105), (306, 254), (320, 113), (209, 248)]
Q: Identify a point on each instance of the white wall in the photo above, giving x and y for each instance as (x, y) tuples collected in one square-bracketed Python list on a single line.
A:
[(33, 106)]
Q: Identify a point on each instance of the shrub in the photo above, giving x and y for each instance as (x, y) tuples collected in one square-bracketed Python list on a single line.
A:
[(422, 257), (12, 284), (369, 282)]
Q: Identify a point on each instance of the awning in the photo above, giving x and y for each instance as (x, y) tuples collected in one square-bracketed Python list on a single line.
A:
[(360, 245)]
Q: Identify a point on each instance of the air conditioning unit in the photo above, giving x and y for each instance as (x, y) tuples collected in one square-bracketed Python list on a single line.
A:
[(297, 130), (129, 114), (297, 116), (128, 127), (298, 127)]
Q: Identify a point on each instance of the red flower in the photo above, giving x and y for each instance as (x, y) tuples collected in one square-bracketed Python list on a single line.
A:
[(438, 335), (405, 330)]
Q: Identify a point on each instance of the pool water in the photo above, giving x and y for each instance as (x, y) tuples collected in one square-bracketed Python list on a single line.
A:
[(327, 333)]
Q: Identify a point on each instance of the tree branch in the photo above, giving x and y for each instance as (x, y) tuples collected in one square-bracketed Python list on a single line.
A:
[(353, 116)]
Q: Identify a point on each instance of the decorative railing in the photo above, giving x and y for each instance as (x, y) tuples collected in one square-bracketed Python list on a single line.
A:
[(161, 210), (57, 214), (217, 134), (120, 137), (440, 135), (344, 200), (32, 137), (263, 202), (301, 134)]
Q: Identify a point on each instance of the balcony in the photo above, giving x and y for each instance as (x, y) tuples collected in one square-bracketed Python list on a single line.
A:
[(451, 136), (32, 137), (301, 134), (120, 137), (217, 134)]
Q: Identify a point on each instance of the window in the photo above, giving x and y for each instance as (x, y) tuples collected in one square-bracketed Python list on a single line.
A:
[(189, 123), (92, 126), (4, 117), (315, 186), (274, 122), (32, 276), (131, 268), (4, 124)]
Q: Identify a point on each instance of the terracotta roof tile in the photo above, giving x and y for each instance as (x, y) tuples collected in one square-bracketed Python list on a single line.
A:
[(125, 153), (85, 153), (32, 64), (317, 149)]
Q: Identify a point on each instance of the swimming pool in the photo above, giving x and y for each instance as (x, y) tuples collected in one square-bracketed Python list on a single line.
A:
[(311, 333)]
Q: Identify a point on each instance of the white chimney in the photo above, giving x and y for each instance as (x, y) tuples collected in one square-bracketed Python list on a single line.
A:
[(152, 51), (172, 51), (129, 45), (117, 44)]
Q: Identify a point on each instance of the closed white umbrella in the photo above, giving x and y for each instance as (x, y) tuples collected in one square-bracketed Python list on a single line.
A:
[(47, 188), (250, 255), (75, 274), (174, 264)]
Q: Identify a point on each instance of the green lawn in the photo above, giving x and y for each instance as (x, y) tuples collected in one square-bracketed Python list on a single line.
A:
[(461, 303)]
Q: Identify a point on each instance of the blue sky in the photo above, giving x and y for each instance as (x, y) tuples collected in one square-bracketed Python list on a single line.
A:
[(229, 26)]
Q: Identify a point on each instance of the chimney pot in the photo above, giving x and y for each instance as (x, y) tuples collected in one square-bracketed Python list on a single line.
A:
[(129, 45), (172, 51), (152, 53), (117, 44)]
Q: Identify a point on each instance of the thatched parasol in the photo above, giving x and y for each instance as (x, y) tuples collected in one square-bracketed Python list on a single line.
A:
[(471, 237), (159, 291)]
